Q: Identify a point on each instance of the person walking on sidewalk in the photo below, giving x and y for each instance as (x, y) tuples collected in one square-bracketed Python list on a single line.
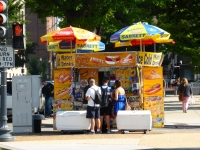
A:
[(187, 92), (47, 90), (107, 109), (93, 110)]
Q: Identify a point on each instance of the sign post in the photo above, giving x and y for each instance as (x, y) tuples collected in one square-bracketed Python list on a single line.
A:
[(5, 62)]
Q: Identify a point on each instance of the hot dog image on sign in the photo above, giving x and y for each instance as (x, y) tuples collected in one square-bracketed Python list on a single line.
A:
[(85, 74), (153, 81), (62, 84)]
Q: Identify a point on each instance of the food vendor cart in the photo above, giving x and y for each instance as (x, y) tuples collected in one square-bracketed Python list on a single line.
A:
[(73, 71), (139, 72)]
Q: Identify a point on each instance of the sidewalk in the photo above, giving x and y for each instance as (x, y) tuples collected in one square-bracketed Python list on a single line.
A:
[(182, 131)]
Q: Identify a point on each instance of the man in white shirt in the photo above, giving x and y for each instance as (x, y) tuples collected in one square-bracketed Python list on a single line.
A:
[(93, 110)]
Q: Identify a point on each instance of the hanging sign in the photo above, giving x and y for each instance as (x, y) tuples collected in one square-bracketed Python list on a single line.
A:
[(149, 59), (65, 60), (105, 59)]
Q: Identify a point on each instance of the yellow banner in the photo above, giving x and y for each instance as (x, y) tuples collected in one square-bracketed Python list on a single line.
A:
[(64, 60), (154, 94), (105, 59), (62, 84), (149, 59)]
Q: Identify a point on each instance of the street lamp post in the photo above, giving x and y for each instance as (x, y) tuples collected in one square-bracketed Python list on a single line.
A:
[(154, 22)]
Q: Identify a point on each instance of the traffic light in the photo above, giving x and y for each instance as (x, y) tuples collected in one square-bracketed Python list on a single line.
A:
[(18, 36), (3, 19)]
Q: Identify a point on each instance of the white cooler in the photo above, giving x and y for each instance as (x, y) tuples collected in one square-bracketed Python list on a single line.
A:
[(72, 120), (134, 120)]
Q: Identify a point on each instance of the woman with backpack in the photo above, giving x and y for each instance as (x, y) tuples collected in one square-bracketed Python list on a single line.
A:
[(119, 97)]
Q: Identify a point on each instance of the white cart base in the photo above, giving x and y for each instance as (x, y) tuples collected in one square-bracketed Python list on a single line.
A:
[(72, 121), (136, 120)]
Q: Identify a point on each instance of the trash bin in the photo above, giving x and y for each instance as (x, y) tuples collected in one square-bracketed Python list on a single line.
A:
[(37, 119)]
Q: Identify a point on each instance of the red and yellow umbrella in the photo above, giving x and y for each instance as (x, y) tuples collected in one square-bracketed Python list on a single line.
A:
[(70, 33)]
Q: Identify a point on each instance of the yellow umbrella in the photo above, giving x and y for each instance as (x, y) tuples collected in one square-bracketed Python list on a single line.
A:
[(138, 32)]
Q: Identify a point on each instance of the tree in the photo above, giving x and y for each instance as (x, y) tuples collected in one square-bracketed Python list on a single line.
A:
[(33, 67), (37, 67), (178, 17), (106, 15), (14, 14), (21, 57)]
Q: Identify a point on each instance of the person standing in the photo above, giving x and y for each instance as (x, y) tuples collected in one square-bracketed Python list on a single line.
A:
[(48, 91), (85, 102), (187, 92), (175, 86), (119, 97), (93, 110), (106, 110)]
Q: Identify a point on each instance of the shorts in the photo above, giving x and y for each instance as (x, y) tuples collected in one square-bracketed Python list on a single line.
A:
[(106, 110), (175, 87), (93, 112)]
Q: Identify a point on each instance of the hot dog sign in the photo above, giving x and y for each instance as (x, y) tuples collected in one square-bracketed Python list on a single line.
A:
[(105, 59), (62, 83), (153, 81)]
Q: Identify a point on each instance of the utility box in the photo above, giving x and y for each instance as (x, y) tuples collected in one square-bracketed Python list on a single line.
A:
[(25, 97)]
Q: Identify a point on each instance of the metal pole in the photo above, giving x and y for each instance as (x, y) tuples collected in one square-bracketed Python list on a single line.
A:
[(5, 135)]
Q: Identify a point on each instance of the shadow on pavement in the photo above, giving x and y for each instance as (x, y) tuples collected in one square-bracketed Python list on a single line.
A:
[(176, 148), (181, 126)]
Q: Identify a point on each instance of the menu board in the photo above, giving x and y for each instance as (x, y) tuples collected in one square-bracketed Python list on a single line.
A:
[(128, 78), (86, 73), (154, 94), (64, 60), (105, 59), (149, 59)]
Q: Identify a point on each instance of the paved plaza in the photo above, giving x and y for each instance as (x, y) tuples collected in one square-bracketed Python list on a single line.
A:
[(182, 131)]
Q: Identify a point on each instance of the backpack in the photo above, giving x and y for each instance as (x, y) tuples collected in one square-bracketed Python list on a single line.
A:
[(97, 99), (104, 96)]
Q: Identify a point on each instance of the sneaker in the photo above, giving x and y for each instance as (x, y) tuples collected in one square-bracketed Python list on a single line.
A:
[(185, 111), (108, 131), (99, 132), (91, 132)]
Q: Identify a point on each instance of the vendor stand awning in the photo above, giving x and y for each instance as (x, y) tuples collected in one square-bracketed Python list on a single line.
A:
[(69, 33), (76, 45)]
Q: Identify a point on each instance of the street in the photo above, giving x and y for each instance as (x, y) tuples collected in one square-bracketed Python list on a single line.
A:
[(182, 131)]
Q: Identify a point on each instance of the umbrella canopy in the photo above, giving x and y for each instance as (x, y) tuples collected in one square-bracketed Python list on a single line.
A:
[(138, 31), (76, 45), (69, 33), (144, 42)]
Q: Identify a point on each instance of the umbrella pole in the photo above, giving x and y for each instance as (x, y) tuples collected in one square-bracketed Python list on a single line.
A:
[(141, 45), (71, 45), (144, 48), (154, 46)]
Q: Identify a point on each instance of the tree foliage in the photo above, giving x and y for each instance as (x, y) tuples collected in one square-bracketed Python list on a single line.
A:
[(37, 67), (21, 57), (178, 17)]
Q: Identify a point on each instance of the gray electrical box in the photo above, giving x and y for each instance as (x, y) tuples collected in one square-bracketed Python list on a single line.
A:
[(25, 96)]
